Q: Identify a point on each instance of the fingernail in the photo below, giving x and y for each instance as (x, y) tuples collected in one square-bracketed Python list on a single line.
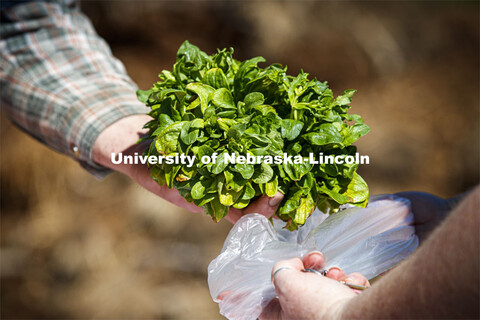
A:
[(316, 264), (316, 252), (334, 268), (274, 201), (349, 280)]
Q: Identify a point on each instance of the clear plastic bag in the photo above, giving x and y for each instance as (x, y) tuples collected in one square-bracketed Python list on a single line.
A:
[(368, 240)]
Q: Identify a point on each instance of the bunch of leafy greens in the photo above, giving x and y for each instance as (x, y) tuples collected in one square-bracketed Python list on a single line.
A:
[(216, 104)]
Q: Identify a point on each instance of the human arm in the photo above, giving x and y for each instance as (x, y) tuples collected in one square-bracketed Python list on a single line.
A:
[(123, 135), (429, 210), (59, 80), (61, 84), (440, 280)]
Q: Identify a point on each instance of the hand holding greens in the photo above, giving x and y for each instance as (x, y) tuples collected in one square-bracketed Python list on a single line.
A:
[(216, 104)]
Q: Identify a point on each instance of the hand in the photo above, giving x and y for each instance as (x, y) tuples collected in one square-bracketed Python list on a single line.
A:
[(266, 206), (122, 136), (428, 211), (303, 295)]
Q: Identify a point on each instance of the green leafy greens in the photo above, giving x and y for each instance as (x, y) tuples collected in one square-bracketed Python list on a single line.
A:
[(216, 104)]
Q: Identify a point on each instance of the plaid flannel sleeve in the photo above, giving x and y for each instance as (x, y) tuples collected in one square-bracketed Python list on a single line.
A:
[(59, 80)]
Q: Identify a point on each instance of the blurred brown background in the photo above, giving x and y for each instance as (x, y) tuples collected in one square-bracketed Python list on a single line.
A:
[(74, 247)]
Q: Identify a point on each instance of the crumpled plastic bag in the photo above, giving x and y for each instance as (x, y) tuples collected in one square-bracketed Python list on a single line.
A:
[(368, 240)]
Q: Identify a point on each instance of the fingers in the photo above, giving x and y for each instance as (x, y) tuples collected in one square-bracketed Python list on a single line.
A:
[(266, 206), (282, 271), (336, 274), (314, 260), (294, 264), (289, 282), (357, 278), (353, 278)]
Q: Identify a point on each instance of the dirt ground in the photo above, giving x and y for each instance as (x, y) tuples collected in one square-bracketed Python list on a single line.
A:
[(75, 247)]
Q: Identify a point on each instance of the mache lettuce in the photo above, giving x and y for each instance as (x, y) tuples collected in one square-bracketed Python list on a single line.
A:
[(216, 104)]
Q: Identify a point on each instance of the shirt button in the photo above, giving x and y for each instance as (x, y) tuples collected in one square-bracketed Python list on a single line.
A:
[(75, 150)]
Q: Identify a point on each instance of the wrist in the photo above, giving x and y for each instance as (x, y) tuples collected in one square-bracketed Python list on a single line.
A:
[(121, 137)]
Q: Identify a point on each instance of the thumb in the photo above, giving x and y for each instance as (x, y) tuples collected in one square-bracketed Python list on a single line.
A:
[(266, 206), (281, 273), (285, 276)]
